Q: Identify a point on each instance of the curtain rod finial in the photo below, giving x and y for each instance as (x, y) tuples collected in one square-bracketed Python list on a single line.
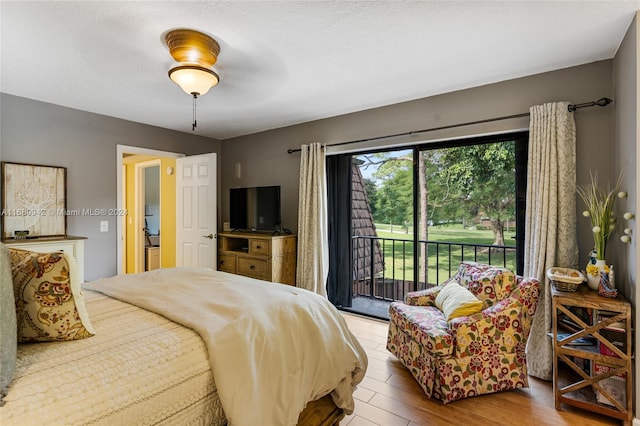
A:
[(604, 101)]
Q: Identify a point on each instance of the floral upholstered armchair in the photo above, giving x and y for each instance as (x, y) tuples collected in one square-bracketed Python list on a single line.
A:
[(471, 354)]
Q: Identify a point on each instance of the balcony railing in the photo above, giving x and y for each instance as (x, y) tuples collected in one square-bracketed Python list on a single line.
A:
[(396, 278)]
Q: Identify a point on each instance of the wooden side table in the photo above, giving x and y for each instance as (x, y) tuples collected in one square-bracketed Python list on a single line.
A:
[(586, 389)]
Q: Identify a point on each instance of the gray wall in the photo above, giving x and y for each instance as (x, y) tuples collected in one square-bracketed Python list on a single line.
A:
[(264, 160), (85, 143), (625, 154), (626, 139)]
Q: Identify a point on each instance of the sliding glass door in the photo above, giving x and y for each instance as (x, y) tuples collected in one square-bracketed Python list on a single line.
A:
[(467, 208), (415, 213)]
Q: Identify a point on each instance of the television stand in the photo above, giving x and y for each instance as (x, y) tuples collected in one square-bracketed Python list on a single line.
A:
[(260, 255)]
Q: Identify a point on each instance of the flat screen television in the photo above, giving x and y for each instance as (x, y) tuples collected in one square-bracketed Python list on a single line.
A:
[(255, 209)]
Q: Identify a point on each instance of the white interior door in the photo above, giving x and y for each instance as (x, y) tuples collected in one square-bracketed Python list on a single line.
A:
[(196, 220)]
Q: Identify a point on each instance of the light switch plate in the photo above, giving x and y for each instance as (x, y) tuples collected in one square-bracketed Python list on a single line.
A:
[(104, 226)]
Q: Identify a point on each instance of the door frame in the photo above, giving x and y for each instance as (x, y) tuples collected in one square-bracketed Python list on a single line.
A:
[(139, 196), (121, 151)]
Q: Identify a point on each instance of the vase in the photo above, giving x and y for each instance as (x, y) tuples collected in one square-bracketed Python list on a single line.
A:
[(594, 280)]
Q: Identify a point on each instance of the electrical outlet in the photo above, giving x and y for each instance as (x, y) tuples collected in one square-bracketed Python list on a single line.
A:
[(104, 226)]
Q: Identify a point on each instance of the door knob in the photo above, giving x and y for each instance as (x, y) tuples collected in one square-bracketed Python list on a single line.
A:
[(210, 236)]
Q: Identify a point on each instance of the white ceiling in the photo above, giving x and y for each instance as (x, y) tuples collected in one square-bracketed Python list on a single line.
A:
[(283, 63)]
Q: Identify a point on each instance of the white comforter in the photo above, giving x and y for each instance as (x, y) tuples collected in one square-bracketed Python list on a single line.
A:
[(272, 347)]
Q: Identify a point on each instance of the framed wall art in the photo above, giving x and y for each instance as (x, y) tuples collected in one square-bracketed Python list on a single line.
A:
[(33, 200)]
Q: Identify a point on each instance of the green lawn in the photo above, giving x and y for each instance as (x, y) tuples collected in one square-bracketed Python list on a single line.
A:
[(443, 259)]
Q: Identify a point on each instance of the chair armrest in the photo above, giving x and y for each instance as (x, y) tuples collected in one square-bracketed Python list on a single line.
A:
[(423, 297), (502, 328)]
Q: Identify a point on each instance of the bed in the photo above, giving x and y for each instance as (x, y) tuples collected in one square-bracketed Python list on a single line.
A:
[(206, 347)]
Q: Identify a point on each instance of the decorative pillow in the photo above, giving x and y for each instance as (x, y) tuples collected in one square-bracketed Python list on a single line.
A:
[(8, 340), (456, 301), (490, 284), (49, 302)]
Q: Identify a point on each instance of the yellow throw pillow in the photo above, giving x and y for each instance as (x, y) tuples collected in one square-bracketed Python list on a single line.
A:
[(456, 301)]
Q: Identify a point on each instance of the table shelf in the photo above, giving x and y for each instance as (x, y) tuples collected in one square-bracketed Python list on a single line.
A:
[(599, 376)]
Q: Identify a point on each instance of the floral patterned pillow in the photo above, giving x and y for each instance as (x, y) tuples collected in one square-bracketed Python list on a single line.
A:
[(49, 301), (490, 284)]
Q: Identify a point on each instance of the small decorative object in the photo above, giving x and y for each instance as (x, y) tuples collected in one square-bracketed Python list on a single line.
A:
[(595, 272), (21, 235), (612, 278), (604, 287), (565, 279)]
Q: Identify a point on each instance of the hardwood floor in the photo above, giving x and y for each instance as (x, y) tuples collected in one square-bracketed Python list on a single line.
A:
[(389, 396)]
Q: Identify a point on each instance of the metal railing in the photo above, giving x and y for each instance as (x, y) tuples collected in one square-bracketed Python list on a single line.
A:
[(397, 275)]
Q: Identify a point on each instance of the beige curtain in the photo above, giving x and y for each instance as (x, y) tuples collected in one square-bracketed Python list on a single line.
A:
[(313, 245), (550, 235)]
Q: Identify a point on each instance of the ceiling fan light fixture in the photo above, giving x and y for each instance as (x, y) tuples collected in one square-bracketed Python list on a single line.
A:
[(194, 79), (193, 47), (195, 53)]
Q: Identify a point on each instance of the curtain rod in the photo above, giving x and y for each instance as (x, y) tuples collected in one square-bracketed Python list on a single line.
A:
[(571, 108)]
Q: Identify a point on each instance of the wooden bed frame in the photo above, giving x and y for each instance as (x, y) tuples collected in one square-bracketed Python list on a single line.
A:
[(321, 412)]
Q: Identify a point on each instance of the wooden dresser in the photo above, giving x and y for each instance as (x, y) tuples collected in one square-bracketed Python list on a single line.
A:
[(258, 255), (71, 245)]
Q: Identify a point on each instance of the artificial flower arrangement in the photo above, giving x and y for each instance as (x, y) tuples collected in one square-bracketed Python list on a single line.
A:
[(592, 269), (600, 204)]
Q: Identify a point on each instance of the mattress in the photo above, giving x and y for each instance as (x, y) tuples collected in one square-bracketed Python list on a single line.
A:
[(140, 368)]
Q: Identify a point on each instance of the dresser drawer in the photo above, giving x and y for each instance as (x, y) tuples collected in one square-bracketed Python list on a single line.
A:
[(227, 263), (259, 247), (68, 247), (253, 268)]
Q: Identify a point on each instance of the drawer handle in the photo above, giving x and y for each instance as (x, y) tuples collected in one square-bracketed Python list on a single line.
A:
[(252, 267), (258, 247), (222, 262)]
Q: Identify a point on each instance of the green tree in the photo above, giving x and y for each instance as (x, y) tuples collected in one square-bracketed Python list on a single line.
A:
[(372, 194), (395, 195), (483, 181)]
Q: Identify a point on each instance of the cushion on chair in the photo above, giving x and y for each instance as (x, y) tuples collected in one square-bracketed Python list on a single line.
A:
[(490, 284), (427, 325), (456, 301)]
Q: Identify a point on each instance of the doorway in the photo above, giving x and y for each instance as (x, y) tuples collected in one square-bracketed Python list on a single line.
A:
[(148, 187), (132, 242)]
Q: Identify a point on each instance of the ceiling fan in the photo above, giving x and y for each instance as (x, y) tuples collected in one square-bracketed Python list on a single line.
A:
[(196, 53)]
